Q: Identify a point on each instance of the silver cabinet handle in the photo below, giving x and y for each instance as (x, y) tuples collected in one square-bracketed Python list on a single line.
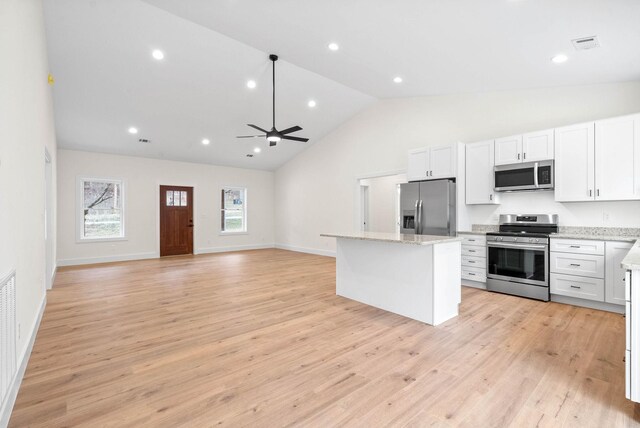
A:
[(491, 197), (471, 273), (472, 251), (524, 156), (472, 262), (518, 156), (590, 192), (575, 286), (574, 246), (471, 240), (598, 192), (574, 264)]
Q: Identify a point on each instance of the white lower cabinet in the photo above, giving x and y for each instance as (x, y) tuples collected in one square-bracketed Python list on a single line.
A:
[(577, 286), (588, 269), (632, 351), (474, 260), (615, 274)]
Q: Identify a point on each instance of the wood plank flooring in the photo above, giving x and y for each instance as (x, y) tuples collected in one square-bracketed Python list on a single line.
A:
[(258, 338)]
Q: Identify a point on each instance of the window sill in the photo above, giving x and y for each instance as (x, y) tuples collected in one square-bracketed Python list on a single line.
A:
[(94, 240), (232, 233)]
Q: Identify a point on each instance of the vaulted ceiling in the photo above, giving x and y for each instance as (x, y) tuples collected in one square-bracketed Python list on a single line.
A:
[(107, 81)]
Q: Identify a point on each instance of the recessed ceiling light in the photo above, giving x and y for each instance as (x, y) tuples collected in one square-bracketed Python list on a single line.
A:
[(251, 84), (560, 58), (333, 46), (157, 54), (205, 141), (397, 79), (257, 150), (311, 103), (133, 130)]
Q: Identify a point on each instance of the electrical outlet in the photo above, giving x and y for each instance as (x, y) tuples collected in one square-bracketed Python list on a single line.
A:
[(605, 217)]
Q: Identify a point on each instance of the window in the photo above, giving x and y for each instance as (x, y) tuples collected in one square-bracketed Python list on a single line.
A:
[(233, 212), (101, 205), (176, 198)]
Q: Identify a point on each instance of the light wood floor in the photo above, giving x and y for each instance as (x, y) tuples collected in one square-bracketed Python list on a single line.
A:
[(258, 338)]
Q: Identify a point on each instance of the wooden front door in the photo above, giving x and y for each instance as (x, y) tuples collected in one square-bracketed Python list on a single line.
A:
[(176, 220)]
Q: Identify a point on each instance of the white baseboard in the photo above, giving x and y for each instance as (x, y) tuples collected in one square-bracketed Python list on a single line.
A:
[(306, 250), (602, 306), (5, 412), (233, 248), (108, 259)]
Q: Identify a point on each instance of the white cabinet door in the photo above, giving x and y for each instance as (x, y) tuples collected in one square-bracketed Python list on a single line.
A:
[(418, 164), (618, 158), (479, 173), (442, 162), (614, 285), (574, 163), (508, 150), (537, 146)]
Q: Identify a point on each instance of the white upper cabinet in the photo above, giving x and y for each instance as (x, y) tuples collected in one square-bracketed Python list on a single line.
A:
[(574, 163), (479, 173), (418, 165), (617, 158), (508, 150), (538, 146), (431, 163), (442, 161)]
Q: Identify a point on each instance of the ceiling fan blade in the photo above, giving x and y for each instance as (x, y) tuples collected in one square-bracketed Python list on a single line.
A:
[(290, 130), (304, 140), (250, 136), (257, 127)]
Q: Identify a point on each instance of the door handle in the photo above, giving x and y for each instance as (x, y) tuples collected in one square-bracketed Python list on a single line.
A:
[(189, 225), (420, 217)]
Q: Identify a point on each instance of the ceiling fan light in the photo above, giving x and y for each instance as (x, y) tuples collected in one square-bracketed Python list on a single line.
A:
[(273, 138)]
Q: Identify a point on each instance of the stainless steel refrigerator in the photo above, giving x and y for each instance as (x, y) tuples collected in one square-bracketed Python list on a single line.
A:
[(428, 208)]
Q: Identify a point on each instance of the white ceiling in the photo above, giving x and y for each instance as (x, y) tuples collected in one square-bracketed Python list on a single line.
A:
[(106, 80), (437, 46)]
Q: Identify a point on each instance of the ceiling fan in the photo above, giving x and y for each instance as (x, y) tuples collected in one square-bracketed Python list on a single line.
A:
[(274, 135)]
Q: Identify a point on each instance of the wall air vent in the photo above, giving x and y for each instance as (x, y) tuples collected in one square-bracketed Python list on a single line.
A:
[(144, 140), (585, 43)]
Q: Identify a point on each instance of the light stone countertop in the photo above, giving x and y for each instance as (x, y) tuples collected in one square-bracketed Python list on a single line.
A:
[(397, 238), (632, 259), (466, 232)]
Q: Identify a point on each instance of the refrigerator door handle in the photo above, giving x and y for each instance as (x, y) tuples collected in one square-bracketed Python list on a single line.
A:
[(416, 219), (420, 217)]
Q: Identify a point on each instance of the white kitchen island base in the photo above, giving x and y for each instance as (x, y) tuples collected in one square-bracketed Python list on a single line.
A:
[(417, 277)]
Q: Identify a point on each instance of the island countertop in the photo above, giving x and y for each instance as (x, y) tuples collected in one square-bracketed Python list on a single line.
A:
[(398, 238)]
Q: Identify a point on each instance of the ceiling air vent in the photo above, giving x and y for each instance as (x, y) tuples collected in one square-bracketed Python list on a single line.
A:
[(249, 155), (144, 140), (585, 43)]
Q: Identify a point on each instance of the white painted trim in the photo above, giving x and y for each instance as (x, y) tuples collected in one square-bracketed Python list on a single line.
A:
[(380, 174), (53, 274), (226, 249), (602, 306), (80, 180), (108, 259), (5, 411), (306, 250)]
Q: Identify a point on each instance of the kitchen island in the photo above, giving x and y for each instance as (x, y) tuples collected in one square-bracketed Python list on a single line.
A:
[(417, 276)]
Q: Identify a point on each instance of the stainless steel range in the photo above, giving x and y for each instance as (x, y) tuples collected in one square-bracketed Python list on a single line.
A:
[(518, 255)]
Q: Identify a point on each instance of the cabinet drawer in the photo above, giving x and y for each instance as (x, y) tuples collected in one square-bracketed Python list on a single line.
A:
[(474, 262), (474, 274), (578, 286), (577, 264), (578, 246), (474, 240), (468, 250)]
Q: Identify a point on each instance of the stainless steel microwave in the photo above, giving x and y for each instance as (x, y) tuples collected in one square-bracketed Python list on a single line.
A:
[(524, 176)]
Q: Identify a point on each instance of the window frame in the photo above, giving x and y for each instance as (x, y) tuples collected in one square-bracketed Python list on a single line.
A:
[(80, 180), (245, 229)]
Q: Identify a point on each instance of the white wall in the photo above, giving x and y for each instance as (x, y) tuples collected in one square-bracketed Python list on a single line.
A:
[(315, 191), (26, 128), (142, 179)]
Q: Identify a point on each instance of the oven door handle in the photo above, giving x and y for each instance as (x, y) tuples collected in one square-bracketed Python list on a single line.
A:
[(523, 246)]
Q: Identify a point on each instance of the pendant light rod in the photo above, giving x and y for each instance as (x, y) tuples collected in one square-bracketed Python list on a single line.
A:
[(273, 59)]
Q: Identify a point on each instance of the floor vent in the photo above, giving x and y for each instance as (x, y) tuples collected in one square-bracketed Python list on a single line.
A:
[(8, 363), (586, 43)]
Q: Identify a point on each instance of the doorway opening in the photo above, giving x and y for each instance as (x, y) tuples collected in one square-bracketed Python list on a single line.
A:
[(380, 203), (176, 220)]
